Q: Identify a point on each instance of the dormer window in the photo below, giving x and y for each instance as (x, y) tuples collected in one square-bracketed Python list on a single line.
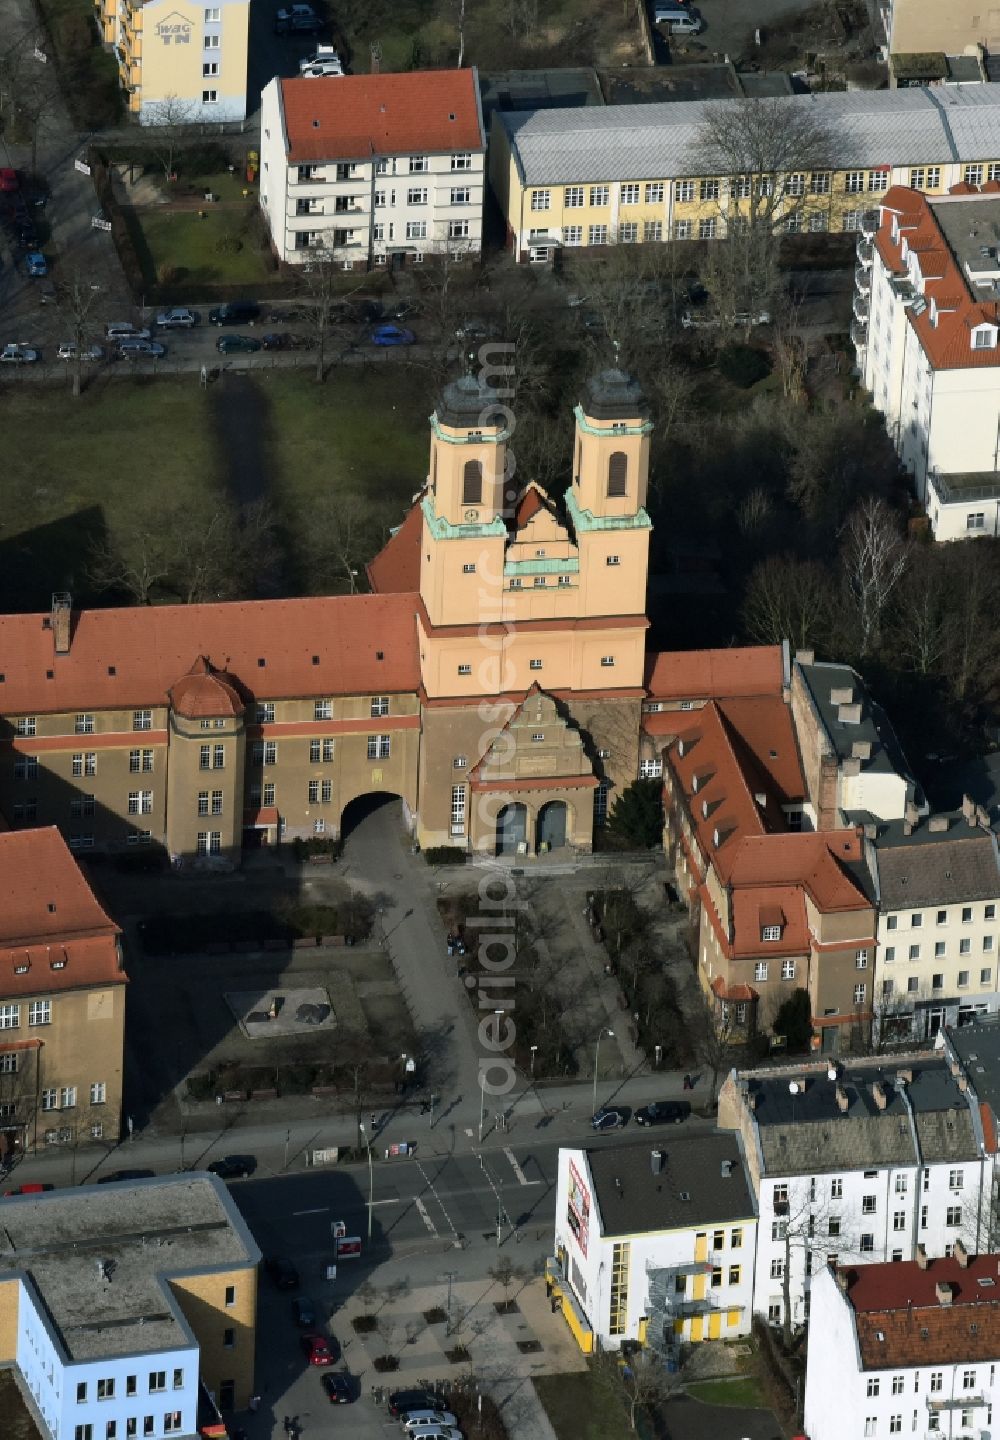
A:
[(933, 313), (770, 932), (984, 337)]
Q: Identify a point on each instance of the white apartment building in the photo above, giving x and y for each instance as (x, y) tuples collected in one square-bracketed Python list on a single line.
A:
[(855, 1164), (926, 330), (912, 1348), (937, 891), (377, 170), (654, 1242)]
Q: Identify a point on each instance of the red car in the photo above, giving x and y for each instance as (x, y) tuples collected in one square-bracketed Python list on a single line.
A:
[(33, 1189), (8, 180), (318, 1349)]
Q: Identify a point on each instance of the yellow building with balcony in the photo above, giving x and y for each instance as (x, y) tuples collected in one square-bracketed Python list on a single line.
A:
[(179, 62), (591, 177)]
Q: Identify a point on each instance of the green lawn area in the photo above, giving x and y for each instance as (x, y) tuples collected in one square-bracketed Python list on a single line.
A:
[(580, 1407), (75, 471), (743, 1390), (204, 248)]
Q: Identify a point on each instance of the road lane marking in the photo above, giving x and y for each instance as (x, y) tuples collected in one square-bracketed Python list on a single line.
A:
[(522, 1179), (422, 1211), (323, 1210), (456, 1239)]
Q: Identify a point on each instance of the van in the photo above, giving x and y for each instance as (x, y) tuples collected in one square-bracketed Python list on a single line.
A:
[(236, 312), (679, 19), (123, 330), (687, 25)]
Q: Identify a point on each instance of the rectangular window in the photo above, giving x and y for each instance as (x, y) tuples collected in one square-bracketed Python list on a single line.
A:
[(861, 960), (204, 757), (10, 1016), (597, 235), (572, 234), (40, 1012), (378, 747), (628, 232), (573, 197), (106, 1389), (868, 1204), (899, 1219), (788, 969), (854, 182), (83, 1432), (777, 1269), (26, 725), (26, 767), (986, 975), (760, 970), (460, 162), (142, 720), (322, 709), (461, 195), (229, 1338), (380, 705), (953, 1215), (652, 230), (684, 191), (416, 229), (820, 184), (265, 712), (98, 1093), (859, 994), (157, 1381), (683, 229), (203, 802), (540, 199), (140, 802), (416, 197), (707, 229), (217, 799), (878, 180), (171, 1422), (914, 952), (871, 1426), (84, 725), (735, 1274), (50, 1099), (873, 1387), (708, 190), (956, 1179), (630, 194), (599, 195), (851, 220), (654, 193)]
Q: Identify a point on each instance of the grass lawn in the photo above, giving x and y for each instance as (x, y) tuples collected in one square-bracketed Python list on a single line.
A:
[(75, 471), (200, 247), (580, 1407), (743, 1390)]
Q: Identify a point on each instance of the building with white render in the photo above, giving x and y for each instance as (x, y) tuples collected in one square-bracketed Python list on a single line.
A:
[(926, 328), (856, 1163), (912, 1348), (376, 170), (654, 1242)]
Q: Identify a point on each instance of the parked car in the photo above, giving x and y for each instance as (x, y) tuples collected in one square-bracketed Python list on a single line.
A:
[(305, 1312), (118, 1177), (476, 330), (31, 1189), (233, 1167), (8, 180), (401, 1402), (663, 1112), (319, 1349), (339, 1387), (176, 320), (686, 25), (139, 349), (435, 1432), (278, 340), (124, 330), (413, 1418), (36, 263), (297, 19), (392, 335), (609, 1119), (744, 318), (326, 61), (236, 312), (14, 354), (237, 345), (89, 352), (282, 1272)]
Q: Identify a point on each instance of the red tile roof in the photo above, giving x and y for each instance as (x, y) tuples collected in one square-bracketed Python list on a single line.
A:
[(354, 116), (714, 674), (204, 692), (325, 645), (948, 343), (396, 567), (901, 1322), (50, 920)]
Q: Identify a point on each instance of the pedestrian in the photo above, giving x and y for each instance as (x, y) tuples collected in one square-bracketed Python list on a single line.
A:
[(451, 943), (687, 1082), (373, 1122), (287, 1425)]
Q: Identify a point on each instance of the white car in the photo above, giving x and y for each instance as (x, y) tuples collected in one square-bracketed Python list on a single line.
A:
[(743, 319), (89, 352), (434, 1432), (326, 61), (18, 354), (415, 1420), (176, 320)]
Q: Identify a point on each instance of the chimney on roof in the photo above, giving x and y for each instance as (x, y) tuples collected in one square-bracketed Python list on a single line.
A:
[(861, 750), (922, 1259), (657, 1160), (905, 1075), (805, 657), (851, 766), (961, 1254), (907, 827), (842, 1100), (962, 1083), (938, 824), (968, 808), (844, 695), (911, 813), (879, 1094), (841, 1278), (982, 817), (954, 1067), (849, 714), (871, 832), (60, 620), (944, 1292)]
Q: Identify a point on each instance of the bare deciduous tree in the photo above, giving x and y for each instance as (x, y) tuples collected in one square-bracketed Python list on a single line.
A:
[(77, 297), (642, 1383), (874, 560), (167, 123), (788, 599), (322, 299)]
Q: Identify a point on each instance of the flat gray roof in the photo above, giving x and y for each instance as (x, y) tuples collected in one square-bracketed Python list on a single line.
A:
[(653, 142), (691, 1189), (969, 226), (978, 1048), (823, 678), (99, 1257)]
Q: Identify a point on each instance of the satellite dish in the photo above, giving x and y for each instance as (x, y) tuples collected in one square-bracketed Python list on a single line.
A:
[(793, 1086)]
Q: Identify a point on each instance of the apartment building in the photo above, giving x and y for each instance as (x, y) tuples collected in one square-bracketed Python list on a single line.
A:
[(925, 334), (179, 62), (909, 1348), (654, 1244), (122, 1305), (373, 170), (856, 1163), (597, 175), (937, 887), (62, 1000), (961, 26)]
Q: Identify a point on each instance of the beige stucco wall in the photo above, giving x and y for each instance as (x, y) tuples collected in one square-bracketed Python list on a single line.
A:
[(202, 1298)]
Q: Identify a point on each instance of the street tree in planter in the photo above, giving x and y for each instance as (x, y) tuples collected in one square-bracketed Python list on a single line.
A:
[(637, 814)]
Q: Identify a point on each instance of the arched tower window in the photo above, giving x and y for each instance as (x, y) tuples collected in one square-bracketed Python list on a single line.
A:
[(472, 483), (618, 474)]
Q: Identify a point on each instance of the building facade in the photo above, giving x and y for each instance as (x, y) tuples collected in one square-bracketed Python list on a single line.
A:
[(373, 170), (856, 1163), (590, 177), (926, 336), (654, 1244), (907, 1348), (62, 1000), (120, 1304), (179, 62)]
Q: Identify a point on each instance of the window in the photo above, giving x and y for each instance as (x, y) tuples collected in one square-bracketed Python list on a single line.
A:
[(597, 235), (963, 979), (973, 175), (461, 195), (111, 1430), (871, 1425), (40, 1012), (833, 1225), (868, 1204), (573, 197), (465, 669), (878, 180), (320, 752), (50, 1099), (212, 42), (540, 199), (416, 197), (572, 234), (203, 802), (322, 709), (209, 842), (760, 970), (861, 960), (654, 193), (968, 1379), (777, 1269), (140, 760), (788, 969), (854, 182), (599, 194), (650, 769), (84, 1432), (265, 712), (684, 191), (472, 482), (617, 474), (914, 952), (628, 232), (85, 764), (852, 220), (976, 520), (709, 190), (986, 975), (937, 981), (10, 1016), (217, 802), (418, 164), (378, 747), (26, 768), (416, 229), (8, 1063), (652, 230), (205, 757), (157, 1380), (230, 1300), (890, 954), (26, 725), (990, 912), (140, 802), (229, 1338), (916, 920), (895, 1424), (707, 229), (873, 1387), (953, 1215), (939, 949), (106, 1389), (458, 162), (933, 176), (630, 194), (937, 1381), (859, 994), (142, 720), (534, 664), (683, 229), (130, 1385), (171, 1422), (820, 184), (899, 1219), (98, 1093), (208, 97)]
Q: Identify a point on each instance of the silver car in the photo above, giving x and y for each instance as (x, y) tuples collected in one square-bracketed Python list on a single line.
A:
[(89, 352), (176, 320)]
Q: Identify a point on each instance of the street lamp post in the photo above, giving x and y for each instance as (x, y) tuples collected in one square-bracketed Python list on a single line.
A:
[(597, 1053), (534, 1052), (371, 1179), (482, 1104)]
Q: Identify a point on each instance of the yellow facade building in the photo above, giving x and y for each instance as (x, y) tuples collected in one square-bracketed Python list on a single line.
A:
[(180, 62), (631, 174)]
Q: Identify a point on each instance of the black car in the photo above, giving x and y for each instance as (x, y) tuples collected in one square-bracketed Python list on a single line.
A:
[(235, 312), (663, 1112), (401, 1402), (305, 1312), (278, 340), (282, 1272), (233, 1167), (116, 1176), (338, 1387)]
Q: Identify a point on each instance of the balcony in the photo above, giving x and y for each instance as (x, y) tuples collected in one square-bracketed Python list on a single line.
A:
[(859, 334), (861, 307), (865, 251), (966, 1401), (862, 280), (870, 224)]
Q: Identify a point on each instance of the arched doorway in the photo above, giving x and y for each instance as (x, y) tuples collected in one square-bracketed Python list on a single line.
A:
[(552, 825), (365, 812), (512, 829)]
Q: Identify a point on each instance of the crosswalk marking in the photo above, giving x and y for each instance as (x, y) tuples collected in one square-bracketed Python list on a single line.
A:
[(522, 1179), (422, 1211)]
